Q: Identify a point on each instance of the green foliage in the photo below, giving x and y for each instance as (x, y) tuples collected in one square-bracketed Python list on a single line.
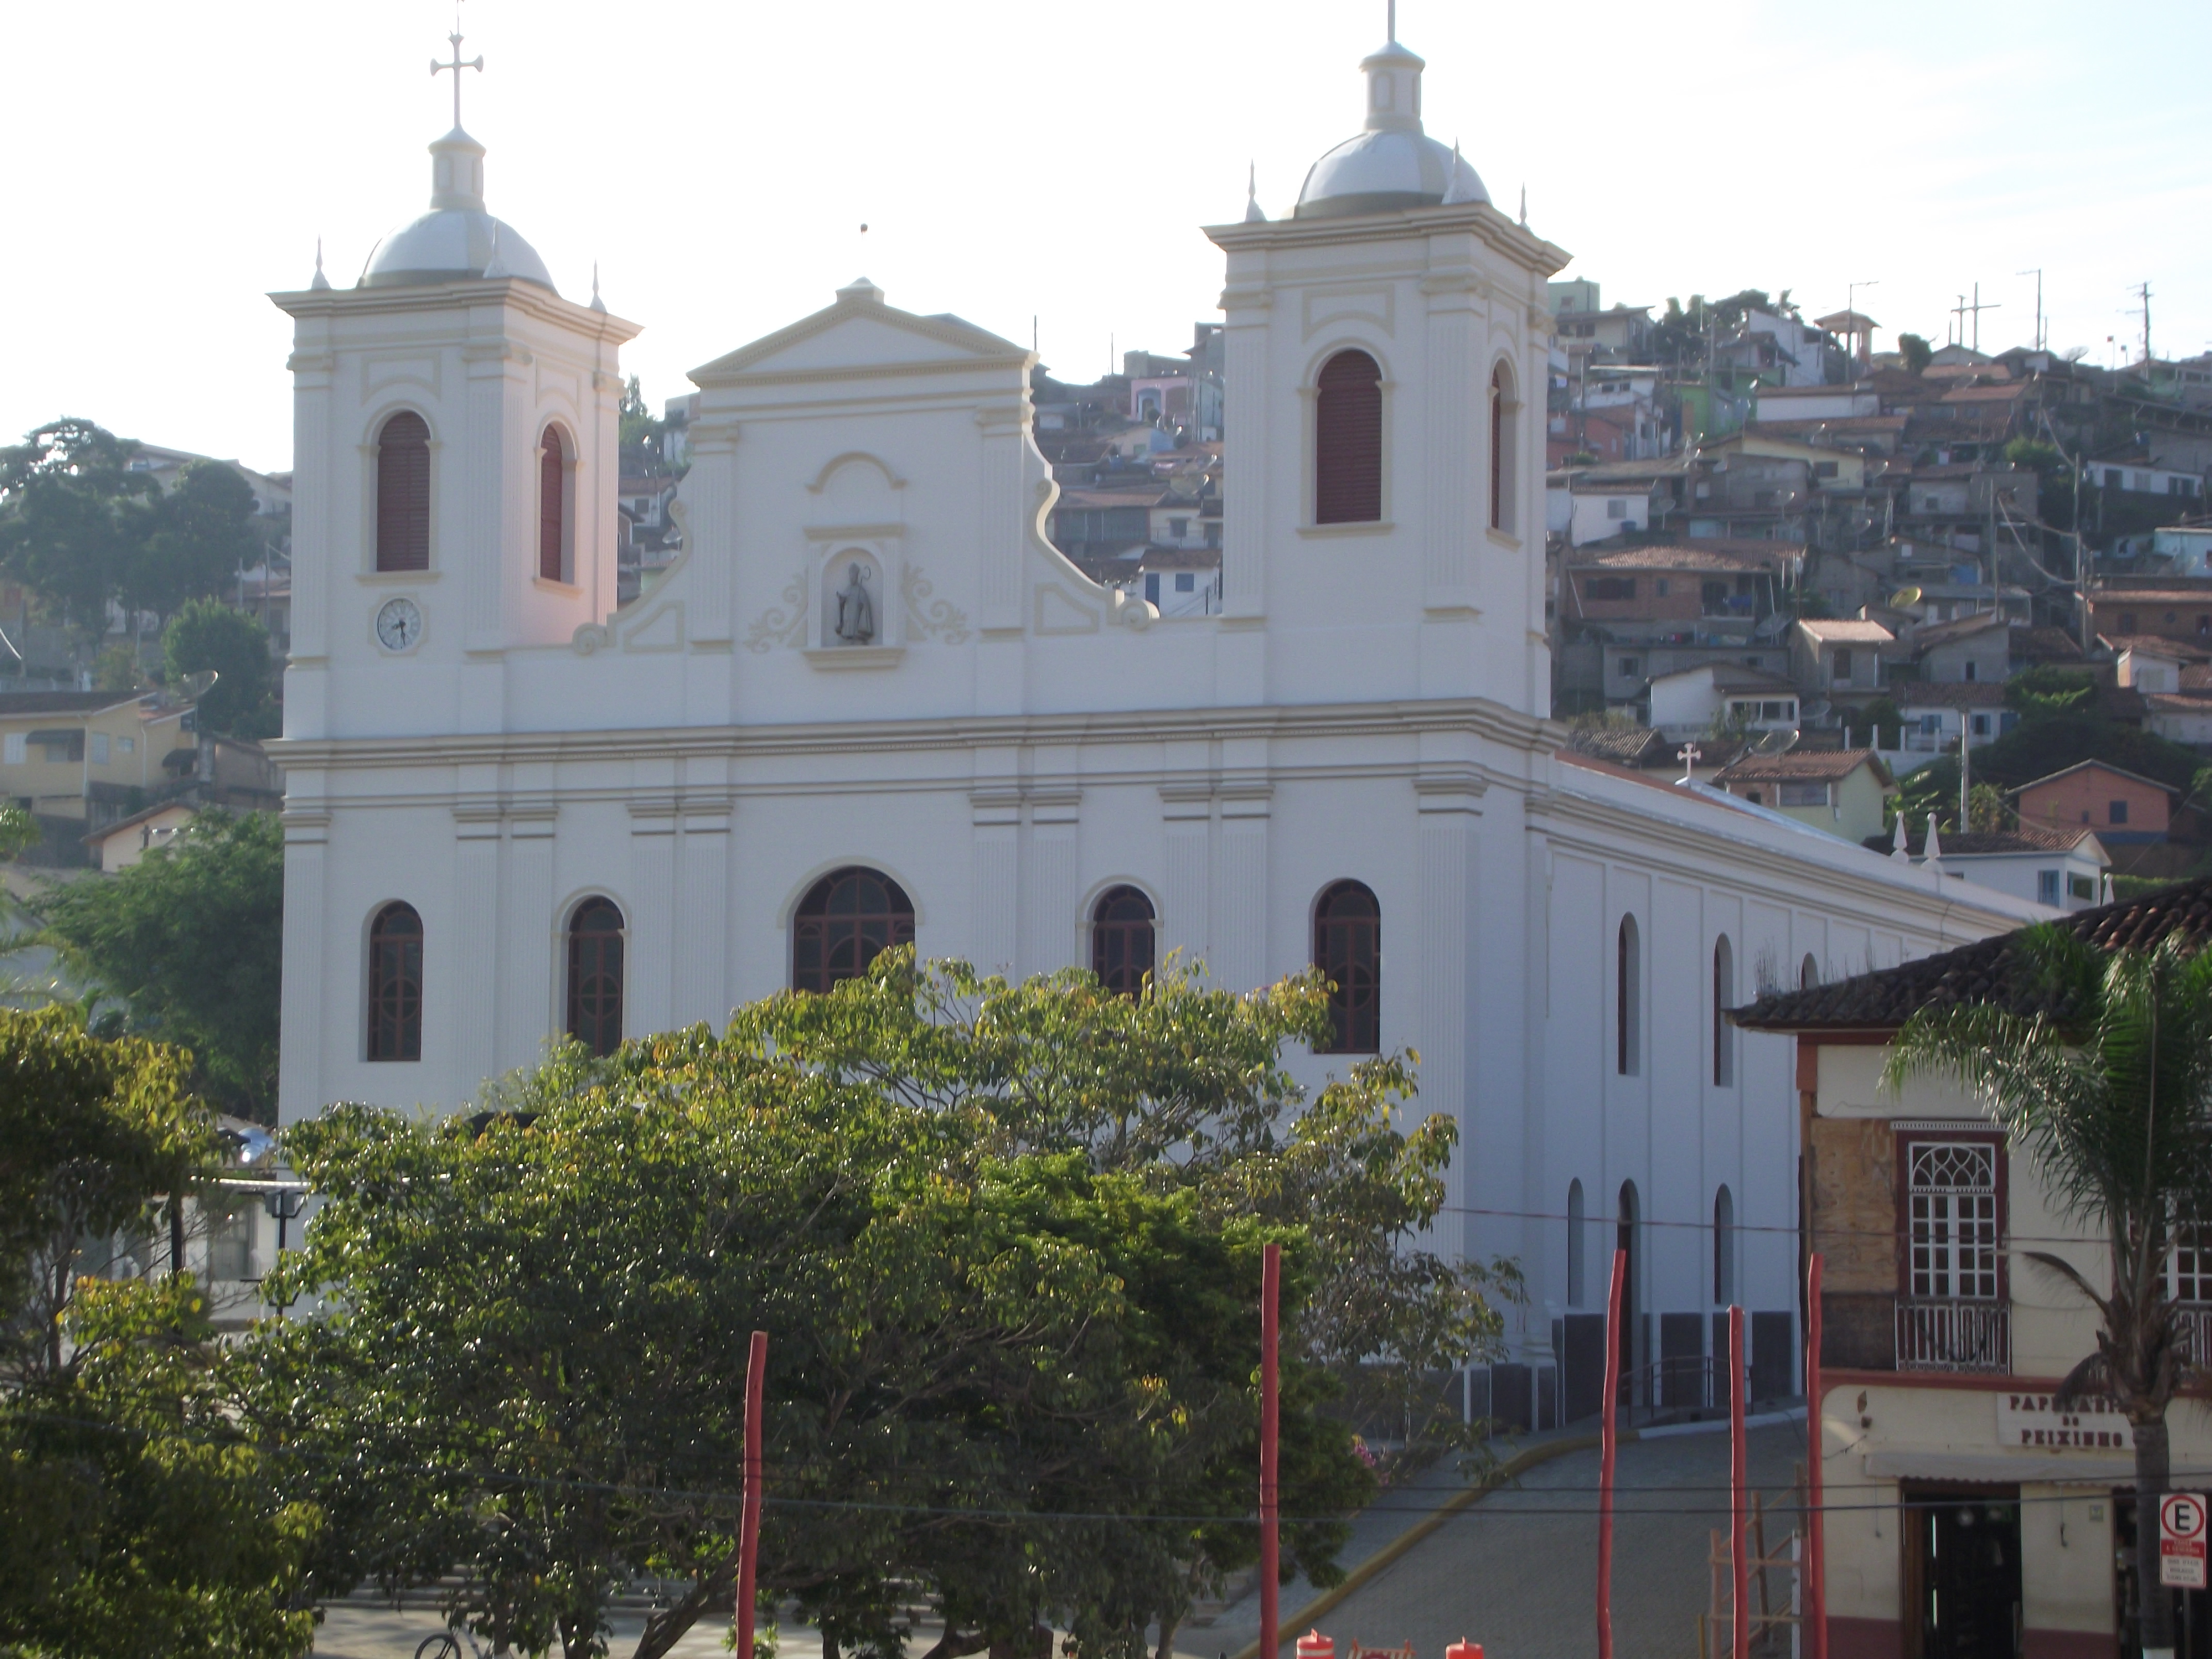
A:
[(191, 939), (641, 432), (2036, 454), (19, 832), (1915, 351), (82, 530), (72, 518), (117, 670), (1986, 809), (2110, 1092), (1006, 1242), (1886, 722), (207, 634), (196, 538), (91, 1134), (2047, 691), (134, 1520)]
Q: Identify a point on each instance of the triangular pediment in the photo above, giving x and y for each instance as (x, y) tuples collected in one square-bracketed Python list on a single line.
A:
[(859, 335)]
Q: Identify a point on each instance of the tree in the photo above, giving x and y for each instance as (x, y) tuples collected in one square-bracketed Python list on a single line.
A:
[(189, 939), (1006, 1239), (2106, 1079), (1885, 723), (641, 431), (207, 634), (72, 518), (1915, 351), (196, 539)]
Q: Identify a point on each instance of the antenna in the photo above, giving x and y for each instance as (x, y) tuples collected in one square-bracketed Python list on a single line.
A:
[(1390, 24), (2041, 342)]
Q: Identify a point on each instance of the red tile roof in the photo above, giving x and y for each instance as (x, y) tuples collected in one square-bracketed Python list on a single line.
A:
[(1801, 766)]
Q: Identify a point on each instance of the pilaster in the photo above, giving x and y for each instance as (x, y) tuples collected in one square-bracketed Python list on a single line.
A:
[(306, 1018)]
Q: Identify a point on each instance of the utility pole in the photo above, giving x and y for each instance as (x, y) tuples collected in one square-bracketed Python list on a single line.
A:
[(2143, 291), (1977, 309), (2037, 275)]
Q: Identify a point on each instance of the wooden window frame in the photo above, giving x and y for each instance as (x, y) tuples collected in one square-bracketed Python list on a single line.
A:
[(1906, 1138), (1355, 1010), (395, 1028), (394, 551), (1346, 428), (1119, 941), (588, 1018), (817, 931)]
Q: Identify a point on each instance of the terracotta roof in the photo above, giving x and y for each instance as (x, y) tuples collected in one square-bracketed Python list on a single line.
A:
[(1733, 676), (1958, 628), (1801, 766), (2045, 644), (1669, 556), (2180, 703), (2026, 838), (2124, 596), (2197, 676), (1947, 694), (1847, 631), (2155, 645), (1623, 746), (60, 703), (1989, 970)]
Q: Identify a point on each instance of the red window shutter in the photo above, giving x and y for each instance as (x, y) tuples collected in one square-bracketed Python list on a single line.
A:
[(403, 494), (551, 466), (1348, 441), (1496, 451)]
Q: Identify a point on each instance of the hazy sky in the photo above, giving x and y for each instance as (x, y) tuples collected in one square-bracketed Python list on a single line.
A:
[(172, 164)]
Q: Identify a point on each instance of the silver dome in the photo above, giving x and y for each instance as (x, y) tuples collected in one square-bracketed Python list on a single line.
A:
[(457, 240), (1392, 165)]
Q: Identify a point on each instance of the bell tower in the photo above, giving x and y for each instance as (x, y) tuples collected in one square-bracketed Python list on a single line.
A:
[(1387, 347), (455, 425)]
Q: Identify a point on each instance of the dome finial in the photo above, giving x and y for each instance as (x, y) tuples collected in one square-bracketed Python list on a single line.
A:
[(1389, 26), (1524, 207), (495, 268), (476, 64), (320, 281), (1464, 186), (598, 303), (1252, 215)]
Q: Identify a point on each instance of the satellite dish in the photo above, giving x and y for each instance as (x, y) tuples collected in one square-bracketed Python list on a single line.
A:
[(196, 686), (1902, 597), (1774, 743)]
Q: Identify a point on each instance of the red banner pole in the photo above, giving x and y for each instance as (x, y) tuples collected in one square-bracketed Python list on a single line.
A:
[(1738, 1481), (1607, 1442), (1816, 1533), (1270, 1285), (749, 1520)]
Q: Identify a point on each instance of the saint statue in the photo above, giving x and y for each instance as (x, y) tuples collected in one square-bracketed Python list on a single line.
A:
[(856, 612)]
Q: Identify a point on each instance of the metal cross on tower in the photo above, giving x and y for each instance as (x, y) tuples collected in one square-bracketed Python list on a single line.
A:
[(1689, 754), (457, 66)]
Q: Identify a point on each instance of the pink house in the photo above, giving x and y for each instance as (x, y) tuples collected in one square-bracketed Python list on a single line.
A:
[(2120, 807)]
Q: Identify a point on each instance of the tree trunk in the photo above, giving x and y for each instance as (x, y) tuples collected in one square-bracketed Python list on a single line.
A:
[(176, 1236), (2154, 1606), (1168, 1628)]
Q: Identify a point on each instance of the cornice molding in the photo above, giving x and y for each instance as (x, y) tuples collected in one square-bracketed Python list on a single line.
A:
[(510, 292)]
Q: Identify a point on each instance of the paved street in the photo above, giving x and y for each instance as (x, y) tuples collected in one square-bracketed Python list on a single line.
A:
[(1516, 1571)]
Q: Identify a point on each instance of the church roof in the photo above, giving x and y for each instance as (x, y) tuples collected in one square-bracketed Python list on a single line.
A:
[(1989, 970)]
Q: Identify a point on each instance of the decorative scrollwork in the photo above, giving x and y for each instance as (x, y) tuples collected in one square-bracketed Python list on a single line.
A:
[(784, 623), (930, 618)]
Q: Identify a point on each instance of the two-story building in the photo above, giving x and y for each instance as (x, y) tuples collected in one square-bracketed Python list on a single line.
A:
[(84, 759), (2122, 807), (1965, 1513), (1840, 791)]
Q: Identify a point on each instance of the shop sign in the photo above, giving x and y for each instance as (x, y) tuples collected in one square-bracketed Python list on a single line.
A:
[(2089, 1424), (2181, 1540)]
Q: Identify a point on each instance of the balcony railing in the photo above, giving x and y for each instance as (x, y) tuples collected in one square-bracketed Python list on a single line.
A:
[(2193, 1325), (1954, 1336)]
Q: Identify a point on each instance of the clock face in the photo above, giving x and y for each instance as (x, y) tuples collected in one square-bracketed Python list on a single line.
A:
[(398, 625)]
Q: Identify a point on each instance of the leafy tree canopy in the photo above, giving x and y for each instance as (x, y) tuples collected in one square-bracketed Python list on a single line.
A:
[(189, 939), (196, 539), (2046, 690), (1915, 351), (207, 634), (72, 517), (641, 432), (1006, 1242)]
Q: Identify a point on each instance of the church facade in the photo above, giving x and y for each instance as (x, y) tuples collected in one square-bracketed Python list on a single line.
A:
[(872, 702)]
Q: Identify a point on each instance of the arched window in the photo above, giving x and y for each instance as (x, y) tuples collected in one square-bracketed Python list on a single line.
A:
[(395, 984), (1724, 998), (1503, 412), (1628, 1000), (1724, 1249), (595, 976), (1808, 973), (403, 494), (1575, 1245), (1348, 441), (1348, 949), (1121, 938), (553, 563), (846, 920)]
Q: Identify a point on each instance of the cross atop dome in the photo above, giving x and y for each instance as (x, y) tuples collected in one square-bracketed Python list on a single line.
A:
[(476, 64)]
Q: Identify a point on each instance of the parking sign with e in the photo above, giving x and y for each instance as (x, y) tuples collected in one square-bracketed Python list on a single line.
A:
[(2181, 1540)]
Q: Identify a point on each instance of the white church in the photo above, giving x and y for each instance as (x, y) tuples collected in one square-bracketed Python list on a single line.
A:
[(871, 702)]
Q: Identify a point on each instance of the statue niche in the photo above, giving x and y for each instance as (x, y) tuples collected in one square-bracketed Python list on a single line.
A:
[(851, 594)]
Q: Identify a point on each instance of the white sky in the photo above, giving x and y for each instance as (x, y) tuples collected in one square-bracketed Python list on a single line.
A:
[(173, 163)]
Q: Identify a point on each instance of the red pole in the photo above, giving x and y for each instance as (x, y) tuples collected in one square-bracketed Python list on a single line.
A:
[(1816, 1547), (1739, 1479), (1607, 1445), (749, 1523), (1271, 1286)]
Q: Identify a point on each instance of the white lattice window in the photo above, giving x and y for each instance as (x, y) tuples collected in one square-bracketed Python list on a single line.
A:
[(2189, 1265), (1953, 1192)]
